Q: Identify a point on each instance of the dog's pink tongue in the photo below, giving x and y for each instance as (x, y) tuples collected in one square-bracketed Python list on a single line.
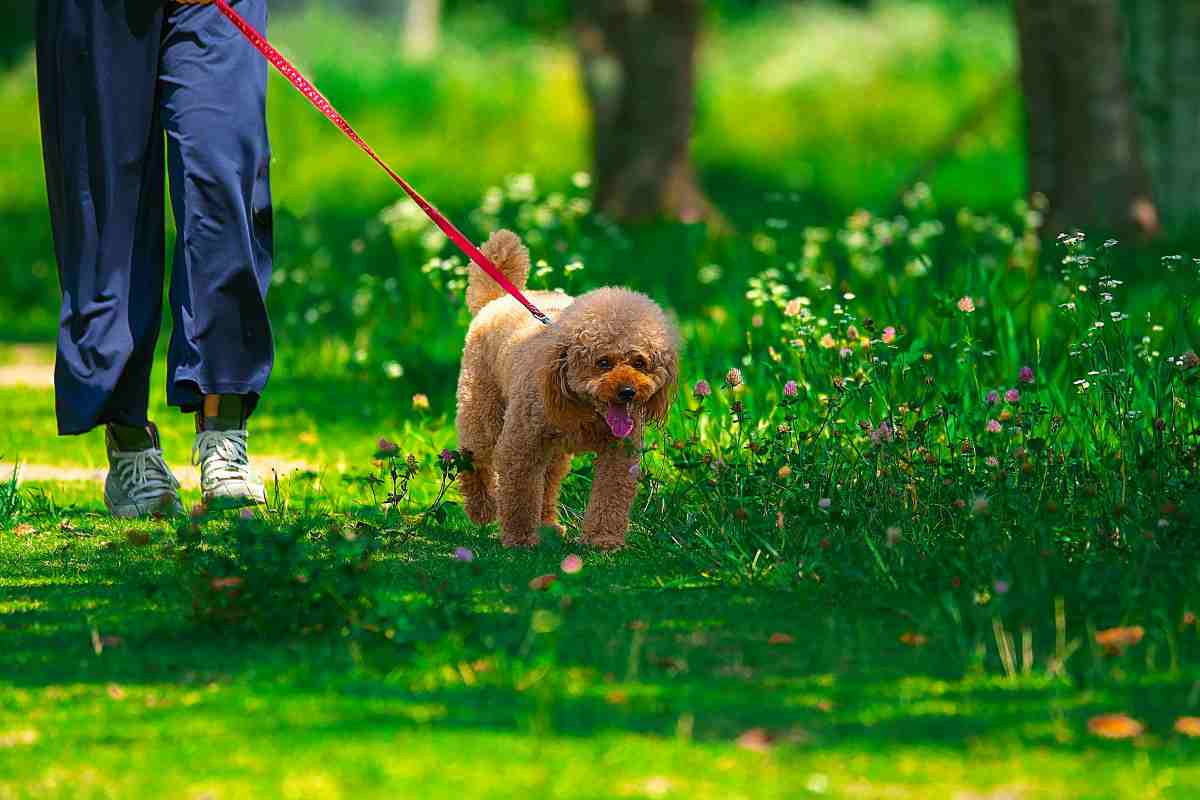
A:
[(619, 421)]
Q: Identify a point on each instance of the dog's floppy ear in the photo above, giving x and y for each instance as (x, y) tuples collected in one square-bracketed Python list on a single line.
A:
[(561, 410), (659, 404)]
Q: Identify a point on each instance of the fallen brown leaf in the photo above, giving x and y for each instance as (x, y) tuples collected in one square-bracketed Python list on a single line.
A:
[(1188, 726), (24, 529), (138, 538), (1115, 726), (1116, 640), (781, 638), (913, 639), (669, 663), (116, 692), (757, 739), (542, 582), (232, 582)]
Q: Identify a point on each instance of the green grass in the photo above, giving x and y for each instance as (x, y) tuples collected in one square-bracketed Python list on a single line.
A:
[(607, 709), (901, 567)]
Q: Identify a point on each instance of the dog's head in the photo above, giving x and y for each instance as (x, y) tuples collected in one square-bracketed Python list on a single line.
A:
[(614, 356)]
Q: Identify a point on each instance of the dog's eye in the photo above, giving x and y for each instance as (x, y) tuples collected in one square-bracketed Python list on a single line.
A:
[(604, 363), (639, 362)]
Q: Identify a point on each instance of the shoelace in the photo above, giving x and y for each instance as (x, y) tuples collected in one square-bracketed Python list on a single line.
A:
[(144, 474), (223, 453)]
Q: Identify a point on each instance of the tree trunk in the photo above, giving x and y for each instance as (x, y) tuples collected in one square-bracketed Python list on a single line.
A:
[(638, 60), (1082, 140), (420, 28), (1164, 58)]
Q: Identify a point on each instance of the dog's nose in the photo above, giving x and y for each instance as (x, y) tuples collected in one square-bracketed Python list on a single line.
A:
[(627, 393)]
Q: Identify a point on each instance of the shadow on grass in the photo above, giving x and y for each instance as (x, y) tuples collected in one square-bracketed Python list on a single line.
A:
[(694, 662)]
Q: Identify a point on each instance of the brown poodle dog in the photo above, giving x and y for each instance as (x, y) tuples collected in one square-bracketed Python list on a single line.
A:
[(531, 396)]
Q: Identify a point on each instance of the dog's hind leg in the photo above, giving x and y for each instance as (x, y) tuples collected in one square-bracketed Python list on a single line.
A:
[(480, 416), (478, 489), (558, 469), (521, 465)]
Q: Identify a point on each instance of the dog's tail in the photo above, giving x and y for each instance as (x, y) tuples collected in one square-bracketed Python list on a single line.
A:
[(505, 250)]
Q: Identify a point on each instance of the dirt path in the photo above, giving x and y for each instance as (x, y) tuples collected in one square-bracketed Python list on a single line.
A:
[(188, 475), (31, 365)]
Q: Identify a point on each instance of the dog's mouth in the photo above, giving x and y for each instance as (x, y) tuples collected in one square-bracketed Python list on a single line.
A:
[(619, 420)]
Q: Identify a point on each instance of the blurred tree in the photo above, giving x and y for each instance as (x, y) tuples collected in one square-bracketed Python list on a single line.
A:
[(1083, 144), (1164, 57), (421, 27), (639, 60), (16, 35)]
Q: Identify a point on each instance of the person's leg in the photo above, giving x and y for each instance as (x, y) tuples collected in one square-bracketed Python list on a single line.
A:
[(103, 146), (214, 111), (97, 65)]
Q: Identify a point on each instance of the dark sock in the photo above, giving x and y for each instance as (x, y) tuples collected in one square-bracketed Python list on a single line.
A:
[(127, 439), (230, 416)]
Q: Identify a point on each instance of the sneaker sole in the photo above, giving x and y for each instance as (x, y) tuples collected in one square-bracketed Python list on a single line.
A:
[(135, 511), (230, 502)]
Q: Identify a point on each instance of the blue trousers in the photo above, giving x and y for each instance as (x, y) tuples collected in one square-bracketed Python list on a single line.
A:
[(120, 84)]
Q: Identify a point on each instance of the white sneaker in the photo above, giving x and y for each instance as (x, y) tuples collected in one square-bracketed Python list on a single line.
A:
[(226, 480), (139, 482)]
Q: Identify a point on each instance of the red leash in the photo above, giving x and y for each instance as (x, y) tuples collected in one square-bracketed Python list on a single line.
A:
[(319, 102)]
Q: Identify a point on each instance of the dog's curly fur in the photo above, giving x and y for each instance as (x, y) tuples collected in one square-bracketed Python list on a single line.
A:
[(531, 396)]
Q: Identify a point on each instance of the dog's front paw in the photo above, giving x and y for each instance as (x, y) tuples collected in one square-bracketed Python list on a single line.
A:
[(606, 544), (480, 510), (520, 540), (604, 540)]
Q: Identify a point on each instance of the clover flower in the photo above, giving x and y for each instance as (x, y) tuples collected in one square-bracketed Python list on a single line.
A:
[(881, 434)]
